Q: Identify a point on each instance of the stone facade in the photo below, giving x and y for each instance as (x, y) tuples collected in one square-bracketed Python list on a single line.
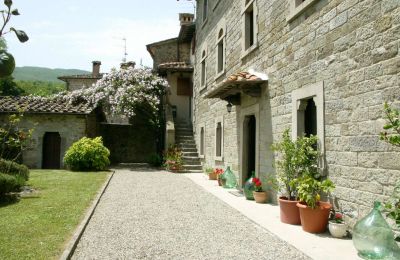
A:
[(348, 50)]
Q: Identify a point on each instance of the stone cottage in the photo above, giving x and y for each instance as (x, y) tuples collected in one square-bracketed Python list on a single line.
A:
[(56, 126), (75, 82), (317, 67)]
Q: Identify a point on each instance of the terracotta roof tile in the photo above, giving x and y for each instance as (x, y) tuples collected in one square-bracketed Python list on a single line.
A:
[(42, 105), (242, 76)]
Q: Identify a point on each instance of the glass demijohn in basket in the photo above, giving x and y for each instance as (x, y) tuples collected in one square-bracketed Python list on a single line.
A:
[(373, 238), (229, 179), (249, 187)]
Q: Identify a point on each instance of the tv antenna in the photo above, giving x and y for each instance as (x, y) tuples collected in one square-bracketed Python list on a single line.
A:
[(125, 53)]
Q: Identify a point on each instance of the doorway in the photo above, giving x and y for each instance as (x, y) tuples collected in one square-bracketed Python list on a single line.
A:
[(51, 150), (249, 147)]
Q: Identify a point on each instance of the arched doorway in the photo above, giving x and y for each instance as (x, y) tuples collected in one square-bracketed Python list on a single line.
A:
[(51, 150)]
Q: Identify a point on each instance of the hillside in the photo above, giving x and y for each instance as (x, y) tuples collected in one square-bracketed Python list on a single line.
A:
[(43, 74)]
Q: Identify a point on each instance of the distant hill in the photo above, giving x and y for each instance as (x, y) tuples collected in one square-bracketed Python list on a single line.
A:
[(43, 74)]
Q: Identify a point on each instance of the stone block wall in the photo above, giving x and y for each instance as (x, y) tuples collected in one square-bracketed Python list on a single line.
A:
[(70, 127), (351, 46)]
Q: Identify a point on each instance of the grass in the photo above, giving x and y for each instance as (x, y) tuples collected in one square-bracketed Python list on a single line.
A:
[(39, 227)]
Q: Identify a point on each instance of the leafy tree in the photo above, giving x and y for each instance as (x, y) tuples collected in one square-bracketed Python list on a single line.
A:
[(8, 87), (40, 88)]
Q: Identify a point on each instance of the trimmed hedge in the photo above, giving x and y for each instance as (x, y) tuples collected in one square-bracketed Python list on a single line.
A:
[(14, 169), (9, 183), (87, 155)]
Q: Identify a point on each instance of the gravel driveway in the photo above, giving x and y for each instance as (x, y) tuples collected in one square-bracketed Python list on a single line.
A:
[(146, 214)]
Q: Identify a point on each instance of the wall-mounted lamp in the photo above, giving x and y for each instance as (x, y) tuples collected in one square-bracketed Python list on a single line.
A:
[(229, 107)]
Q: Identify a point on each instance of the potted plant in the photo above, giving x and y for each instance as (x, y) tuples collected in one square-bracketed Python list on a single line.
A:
[(219, 172), (337, 227), (173, 159), (260, 196), (295, 159), (314, 213)]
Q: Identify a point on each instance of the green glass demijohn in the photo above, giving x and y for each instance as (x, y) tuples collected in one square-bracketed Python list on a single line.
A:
[(373, 238), (249, 187), (229, 179)]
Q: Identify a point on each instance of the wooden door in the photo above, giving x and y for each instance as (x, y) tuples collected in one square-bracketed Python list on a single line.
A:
[(51, 150)]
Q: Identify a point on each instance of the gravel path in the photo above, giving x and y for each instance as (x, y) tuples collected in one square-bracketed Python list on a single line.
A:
[(148, 214)]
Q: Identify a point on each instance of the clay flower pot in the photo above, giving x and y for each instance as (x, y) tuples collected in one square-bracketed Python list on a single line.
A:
[(314, 220), (260, 196), (290, 213), (337, 230), (212, 176)]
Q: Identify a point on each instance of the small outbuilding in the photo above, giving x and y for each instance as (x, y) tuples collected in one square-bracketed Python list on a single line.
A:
[(56, 123)]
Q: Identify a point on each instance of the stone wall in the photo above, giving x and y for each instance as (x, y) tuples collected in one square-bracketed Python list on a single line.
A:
[(349, 46), (70, 127)]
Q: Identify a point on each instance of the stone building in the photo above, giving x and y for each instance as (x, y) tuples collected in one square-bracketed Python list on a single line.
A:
[(317, 67), (75, 82), (56, 126)]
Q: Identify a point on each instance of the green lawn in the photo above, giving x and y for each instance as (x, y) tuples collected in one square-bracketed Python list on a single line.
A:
[(39, 227)]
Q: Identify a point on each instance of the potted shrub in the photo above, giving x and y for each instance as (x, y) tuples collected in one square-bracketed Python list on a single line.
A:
[(219, 172), (212, 175), (337, 227), (260, 196), (295, 159), (173, 159), (314, 214)]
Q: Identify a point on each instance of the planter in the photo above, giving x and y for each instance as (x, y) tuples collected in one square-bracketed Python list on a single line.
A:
[(314, 220), (219, 182), (289, 212), (212, 176), (260, 196), (337, 230)]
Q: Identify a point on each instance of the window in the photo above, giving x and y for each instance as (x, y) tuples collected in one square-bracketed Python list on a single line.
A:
[(203, 76), (184, 87), (202, 141), (250, 26), (220, 52), (308, 113), (219, 139), (297, 7), (205, 10)]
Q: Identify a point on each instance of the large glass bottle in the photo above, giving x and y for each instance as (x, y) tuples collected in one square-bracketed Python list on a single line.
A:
[(249, 187), (229, 179), (373, 238)]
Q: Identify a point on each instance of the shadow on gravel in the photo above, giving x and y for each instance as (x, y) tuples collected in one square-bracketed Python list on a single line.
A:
[(136, 167)]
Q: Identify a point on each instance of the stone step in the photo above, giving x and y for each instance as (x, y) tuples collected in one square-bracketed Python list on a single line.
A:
[(177, 139), (184, 143), (185, 136), (191, 160), (187, 146), (183, 129), (188, 150), (190, 154), (192, 167)]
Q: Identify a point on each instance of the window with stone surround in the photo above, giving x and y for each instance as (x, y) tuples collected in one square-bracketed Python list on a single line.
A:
[(297, 7), (220, 64), (203, 69), (250, 26), (205, 10), (308, 113), (219, 139), (202, 141)]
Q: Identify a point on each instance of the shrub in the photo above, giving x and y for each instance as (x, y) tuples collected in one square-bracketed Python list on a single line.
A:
[(173, 159), (87, 154), (15, 169), (9, 183)]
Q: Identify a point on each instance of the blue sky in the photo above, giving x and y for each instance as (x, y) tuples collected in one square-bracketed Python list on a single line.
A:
[(72, 33)]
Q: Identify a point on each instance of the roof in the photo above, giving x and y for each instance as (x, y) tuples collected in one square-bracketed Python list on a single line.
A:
[(83, 76), (175, 66), (149, 46), (237, 83), (42, 105)]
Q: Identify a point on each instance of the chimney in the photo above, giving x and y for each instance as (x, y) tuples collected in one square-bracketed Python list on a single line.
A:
[(186, 18), (129, 64), (96, 68)]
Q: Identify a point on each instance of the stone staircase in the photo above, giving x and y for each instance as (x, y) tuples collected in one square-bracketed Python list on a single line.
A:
[(185, 141)]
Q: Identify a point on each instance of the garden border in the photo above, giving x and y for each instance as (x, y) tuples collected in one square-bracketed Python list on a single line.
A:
[(73, 242)]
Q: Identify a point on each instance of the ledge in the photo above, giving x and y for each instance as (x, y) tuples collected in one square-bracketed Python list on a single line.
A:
[(294, 11), (230, 88), (249, 50), (316, 246)]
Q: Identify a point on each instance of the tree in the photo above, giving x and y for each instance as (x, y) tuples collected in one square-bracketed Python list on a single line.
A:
[(8, 87)]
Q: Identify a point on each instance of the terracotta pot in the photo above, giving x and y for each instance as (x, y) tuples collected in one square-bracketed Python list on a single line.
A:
[(260, 196), (290, 213), (212, 176), (314, 220), (337, 230)]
